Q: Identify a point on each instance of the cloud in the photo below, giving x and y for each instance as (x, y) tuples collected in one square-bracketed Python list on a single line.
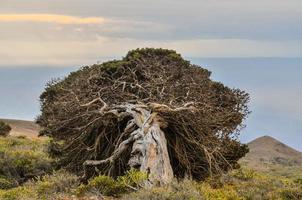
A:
[(74, 31), (75, 53), (50, 27), (191, 19), (50, 18)]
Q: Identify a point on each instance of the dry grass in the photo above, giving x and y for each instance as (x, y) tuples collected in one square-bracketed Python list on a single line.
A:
[(23, 128)]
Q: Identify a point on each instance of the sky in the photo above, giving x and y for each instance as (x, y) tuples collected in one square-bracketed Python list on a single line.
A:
[(254, 45), (73, 32)]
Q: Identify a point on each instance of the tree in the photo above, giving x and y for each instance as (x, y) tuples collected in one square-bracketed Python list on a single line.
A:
[(4, 129), (152, 110)]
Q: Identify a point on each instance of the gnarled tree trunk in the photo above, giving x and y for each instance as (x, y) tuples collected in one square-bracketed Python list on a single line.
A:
[(149, 152)]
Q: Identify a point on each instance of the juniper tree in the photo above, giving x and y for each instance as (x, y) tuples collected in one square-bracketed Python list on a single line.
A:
[(151, 110)]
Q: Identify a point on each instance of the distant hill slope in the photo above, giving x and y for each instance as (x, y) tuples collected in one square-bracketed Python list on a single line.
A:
[(273, 157), (23, 128)]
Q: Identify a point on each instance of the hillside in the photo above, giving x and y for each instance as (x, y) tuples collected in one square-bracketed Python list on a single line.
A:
[(272, 156), (23, 128), (268, 150), (238, 184)]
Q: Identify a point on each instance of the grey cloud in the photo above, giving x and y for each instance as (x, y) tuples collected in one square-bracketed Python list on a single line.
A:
[(112, 28), (240, 19)]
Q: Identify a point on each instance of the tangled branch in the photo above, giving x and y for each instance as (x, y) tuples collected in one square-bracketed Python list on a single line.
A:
[(102, 112)]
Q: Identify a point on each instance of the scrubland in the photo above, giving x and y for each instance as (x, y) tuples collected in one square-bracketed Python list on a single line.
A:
[(28, 173)]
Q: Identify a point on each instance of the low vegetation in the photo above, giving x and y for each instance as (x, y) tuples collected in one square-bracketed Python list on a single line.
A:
[(49, 187), (101, 185), (26, 173), (4, 129), (22, 159), (240, 184)]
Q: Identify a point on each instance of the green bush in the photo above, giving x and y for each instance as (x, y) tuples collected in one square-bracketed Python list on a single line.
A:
[(19, 193), (227, 192), (4, 129), (6, 184), (133, 179), (49, 187), (107, 186), (298, 181), (22, 159), (57, 183), (291, 194), (102, 185), (184, 190), (242, 184), (244, 174)]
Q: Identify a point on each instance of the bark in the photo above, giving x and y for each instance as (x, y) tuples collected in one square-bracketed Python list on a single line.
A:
[(150, 154), (148, 145)]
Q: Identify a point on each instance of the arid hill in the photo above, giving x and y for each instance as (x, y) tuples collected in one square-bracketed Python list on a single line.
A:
[(266, 151), (23, 128)]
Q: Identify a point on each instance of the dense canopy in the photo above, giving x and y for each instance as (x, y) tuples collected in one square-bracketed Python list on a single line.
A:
[(101, 114)]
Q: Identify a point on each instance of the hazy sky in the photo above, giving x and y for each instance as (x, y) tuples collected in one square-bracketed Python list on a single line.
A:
[(44, 39), (69, 32)]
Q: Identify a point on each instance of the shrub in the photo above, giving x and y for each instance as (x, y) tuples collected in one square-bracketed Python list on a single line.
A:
[(133, 179), (102, 185), (298, 181), (6, 184), (49, 187), (244, 174), (57, 183), (226, 192), (107, 186), (184, 190), (19, 193), (4, 129), (22, 159), (291, 194)]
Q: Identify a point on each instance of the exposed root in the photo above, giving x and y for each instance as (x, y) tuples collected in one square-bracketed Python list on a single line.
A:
[(147, 144)]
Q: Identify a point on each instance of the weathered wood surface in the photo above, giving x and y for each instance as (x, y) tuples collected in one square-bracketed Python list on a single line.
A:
[(148, 145)]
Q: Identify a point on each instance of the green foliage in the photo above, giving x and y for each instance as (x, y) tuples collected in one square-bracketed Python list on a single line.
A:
[(4, 129), (224, 193), (251, 185), (105, 185), (19, 193), (133, 178), (240, 184), (102, 185), (185, 190), (49, 187), (298, 181), (291, 194), (57, 183), (137, 53), (244, 174), (112, 66), (143, 52), (22, 159), (6, 183)]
